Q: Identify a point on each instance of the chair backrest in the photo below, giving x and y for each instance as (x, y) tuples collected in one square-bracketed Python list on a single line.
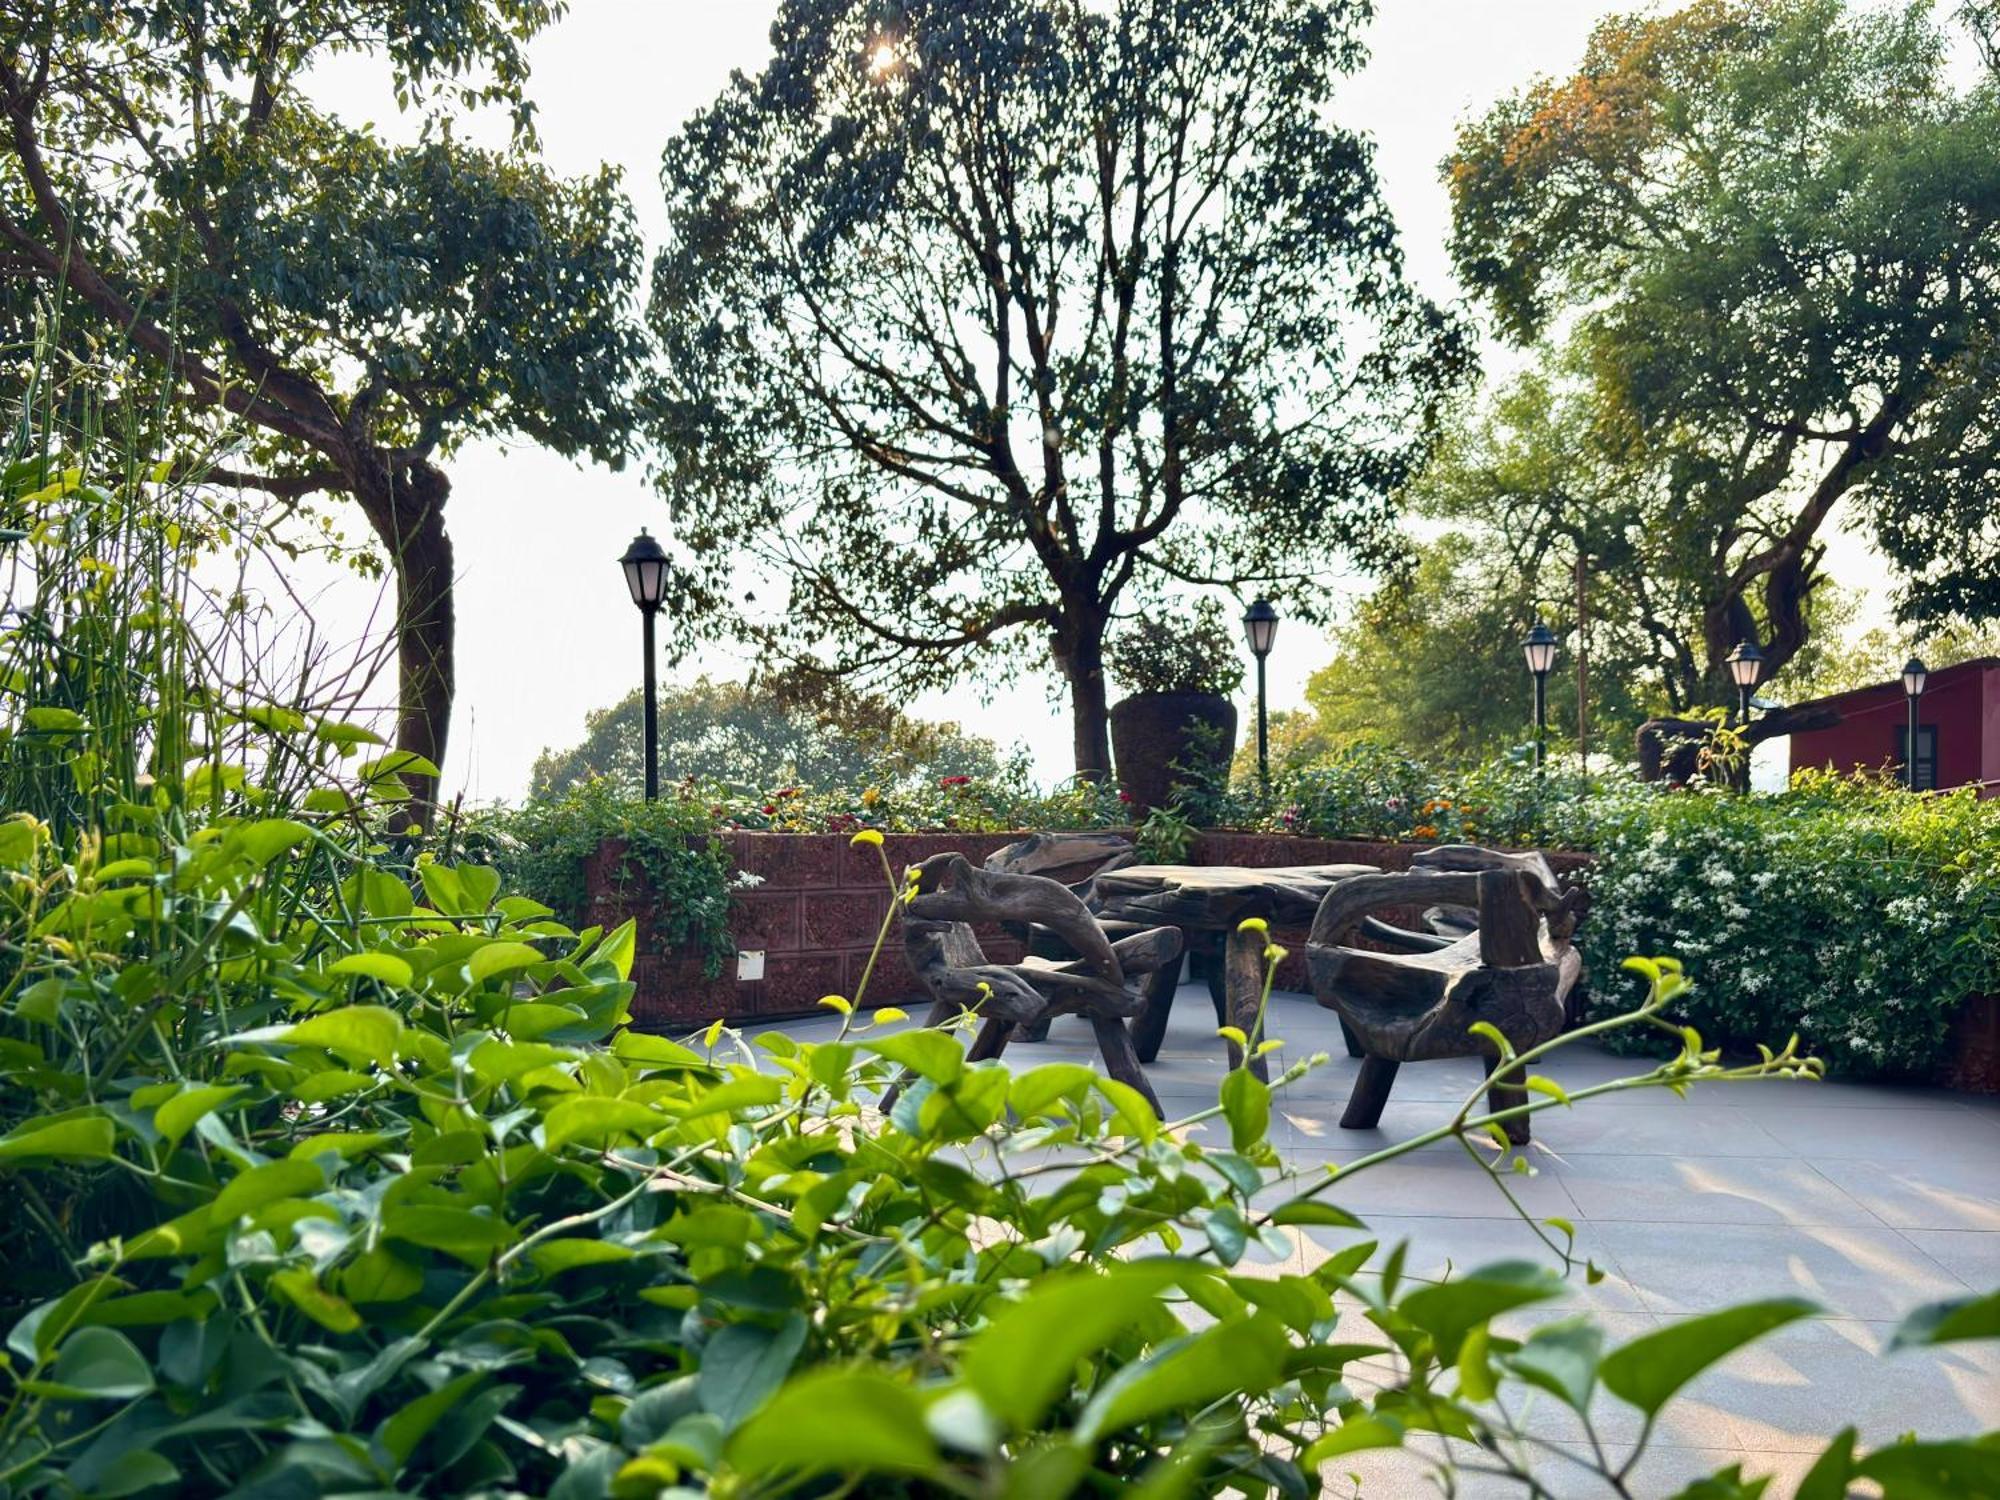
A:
[(1074, 859), (1512, 894)]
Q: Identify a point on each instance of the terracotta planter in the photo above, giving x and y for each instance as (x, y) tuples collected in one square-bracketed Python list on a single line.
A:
[(1151, 731)]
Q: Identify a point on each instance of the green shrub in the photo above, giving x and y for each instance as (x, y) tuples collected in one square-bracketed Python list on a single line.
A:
[(1163, 652), (1845, 910)]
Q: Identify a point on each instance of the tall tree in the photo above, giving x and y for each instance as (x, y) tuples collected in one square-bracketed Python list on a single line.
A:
[(1774, 229), (359, 308), (988, 318)]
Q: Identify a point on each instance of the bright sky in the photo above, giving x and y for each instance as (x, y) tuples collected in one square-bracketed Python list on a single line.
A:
[(545, 630)]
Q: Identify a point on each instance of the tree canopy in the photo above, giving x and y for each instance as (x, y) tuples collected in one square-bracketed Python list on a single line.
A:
[(1772, 232), (988, 320), (357, 308), (755, 736)]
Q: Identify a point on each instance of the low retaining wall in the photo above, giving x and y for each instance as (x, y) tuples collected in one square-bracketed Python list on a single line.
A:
[(805, 930)]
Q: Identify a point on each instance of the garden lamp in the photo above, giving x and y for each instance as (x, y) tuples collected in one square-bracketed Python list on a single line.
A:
[(1260, 629), (1539, 648), (1746, 666), (645, 565), (1915, 674)]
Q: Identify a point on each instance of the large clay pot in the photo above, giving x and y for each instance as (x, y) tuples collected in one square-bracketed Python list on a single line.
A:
[(1151, 731)]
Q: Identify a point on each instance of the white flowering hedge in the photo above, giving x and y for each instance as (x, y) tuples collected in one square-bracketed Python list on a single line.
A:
[(1845, 910)]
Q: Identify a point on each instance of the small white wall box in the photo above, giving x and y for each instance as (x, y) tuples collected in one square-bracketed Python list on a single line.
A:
[(750, 965)]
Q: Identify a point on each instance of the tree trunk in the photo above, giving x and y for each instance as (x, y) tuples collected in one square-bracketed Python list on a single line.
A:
[(1079, 653), (407, 513)]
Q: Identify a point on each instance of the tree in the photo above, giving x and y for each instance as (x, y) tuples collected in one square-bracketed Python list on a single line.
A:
[(1771, 231), (987, 320), (752, 735), (358, 308)]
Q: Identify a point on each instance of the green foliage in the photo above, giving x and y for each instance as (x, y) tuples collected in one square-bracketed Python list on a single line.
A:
[(1370, 791), (1194, 651), (726, 732), (1165, 837), (1844, 910), (1713, 191), (1113, 298)]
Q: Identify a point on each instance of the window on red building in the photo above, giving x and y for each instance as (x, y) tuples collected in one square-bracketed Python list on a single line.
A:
[(1927, 762)]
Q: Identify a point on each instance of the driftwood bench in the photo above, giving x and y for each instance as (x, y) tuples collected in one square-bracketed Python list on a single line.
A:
[(1418, 1000), (944, 954)]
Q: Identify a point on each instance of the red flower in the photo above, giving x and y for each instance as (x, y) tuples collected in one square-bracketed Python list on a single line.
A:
[(955, 781), (1124, 796), (770, 807), (790, 791)]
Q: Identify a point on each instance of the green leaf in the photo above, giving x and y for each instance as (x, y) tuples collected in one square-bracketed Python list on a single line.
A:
[(101, 1364), (1648, 1370), (401, 1433), (743, 1363), (1934, 1471), (1022, 1360), (837, 1421), (739, 1093), (89, 1138), (935, 1055), (500, 958), (20, 838), (249, 1191), (1134, 1113), (1832, 1475), (1035, 1092), (1247, 1356), (1475, 1371), (456, 1231), (397, 763), (553, 1257), (1246, 1102), (299, 1287), (1451, 1309), (597, 1119), (132, 1471), (1311, 1211), (177, 1116), (1562, 1358), (386, 967), (1352, 1436), (359, 1033), (1950, 1321), (263, 841)]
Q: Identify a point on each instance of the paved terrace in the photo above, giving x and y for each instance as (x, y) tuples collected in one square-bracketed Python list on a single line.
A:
[(1867, 1199)]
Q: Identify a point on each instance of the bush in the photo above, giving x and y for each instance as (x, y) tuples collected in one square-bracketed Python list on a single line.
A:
[(1845, 910), (1169, 653)]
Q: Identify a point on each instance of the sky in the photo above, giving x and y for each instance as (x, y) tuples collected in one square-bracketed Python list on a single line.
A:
[(546, 632)]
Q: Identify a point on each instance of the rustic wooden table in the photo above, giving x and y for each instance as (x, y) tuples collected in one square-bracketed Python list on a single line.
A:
[(1214, 899)]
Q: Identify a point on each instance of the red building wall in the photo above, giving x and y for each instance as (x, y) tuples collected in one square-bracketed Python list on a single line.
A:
[(1962, 703)]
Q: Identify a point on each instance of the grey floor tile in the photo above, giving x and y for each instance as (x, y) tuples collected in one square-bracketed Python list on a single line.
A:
[(1898, 1133), (1440, 1246), (1972, 1256), (1946, 1192), (1791, 1390), (1661, 1126), (1849, 1272), (1707, 1190), (1428, 1185)]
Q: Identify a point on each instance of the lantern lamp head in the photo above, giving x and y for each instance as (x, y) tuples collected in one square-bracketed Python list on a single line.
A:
[(645, 565), (1746, 664), (1915, 673), (1539, 648), (1260, 627)]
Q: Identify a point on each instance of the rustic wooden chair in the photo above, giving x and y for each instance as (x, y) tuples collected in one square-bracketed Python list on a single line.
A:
[(1416, 1001), (944, 954)]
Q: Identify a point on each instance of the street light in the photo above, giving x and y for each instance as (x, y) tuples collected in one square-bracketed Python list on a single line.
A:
[(1915, 673), (1539, 648), (1260, 629), (645, 565), (1746, 665)]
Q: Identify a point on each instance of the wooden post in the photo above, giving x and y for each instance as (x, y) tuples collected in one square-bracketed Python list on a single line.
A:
[(1582, 669)]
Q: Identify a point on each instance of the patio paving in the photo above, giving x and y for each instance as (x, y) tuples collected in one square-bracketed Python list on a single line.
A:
[(1869, 1200)]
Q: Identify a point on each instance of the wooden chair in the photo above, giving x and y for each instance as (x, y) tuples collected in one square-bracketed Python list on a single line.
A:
[(1076, 860), (944, 954), (1416, 1002)]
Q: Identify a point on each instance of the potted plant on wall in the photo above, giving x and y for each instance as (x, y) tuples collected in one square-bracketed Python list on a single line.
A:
[(1178, 671)]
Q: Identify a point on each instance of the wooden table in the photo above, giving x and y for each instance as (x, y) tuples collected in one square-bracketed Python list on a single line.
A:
[(1213, 899)]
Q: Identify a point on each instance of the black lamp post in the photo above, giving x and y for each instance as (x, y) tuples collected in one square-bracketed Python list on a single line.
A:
[(1539, 648), (1914, 675), (1746, 666), (1260, 629), (645, 565)]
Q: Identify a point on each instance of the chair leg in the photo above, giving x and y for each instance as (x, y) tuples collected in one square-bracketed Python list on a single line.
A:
[(1114, 1042), (1503, 1096), (1149, 1027), (1216, 970), (1354, 1047), (991, 1041), (1371, 1092), (1243, 969)]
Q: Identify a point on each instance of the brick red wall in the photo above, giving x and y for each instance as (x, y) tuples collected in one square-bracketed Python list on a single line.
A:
[(815, 916)]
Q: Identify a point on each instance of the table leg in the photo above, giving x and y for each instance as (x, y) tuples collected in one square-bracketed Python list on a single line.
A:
[(1243, 962), (1149, 1027)]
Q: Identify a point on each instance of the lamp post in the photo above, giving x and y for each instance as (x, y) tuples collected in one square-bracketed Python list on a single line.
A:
[(1914, 675), (1260, 629), (645, 565), (1746, 665), (1539, 648)]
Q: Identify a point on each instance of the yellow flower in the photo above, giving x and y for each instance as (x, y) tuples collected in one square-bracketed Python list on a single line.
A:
[(837, 1002), (889, 1013), (1253, 924), (872, 796), (1273, 953), (866, 836)]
